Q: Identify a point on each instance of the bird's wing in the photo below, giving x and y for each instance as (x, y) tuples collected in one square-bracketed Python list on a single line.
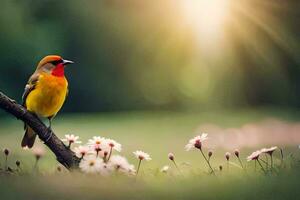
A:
[(30, 86)]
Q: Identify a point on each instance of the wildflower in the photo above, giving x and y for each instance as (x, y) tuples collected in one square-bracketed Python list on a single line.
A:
[(221, 167), (227, 156), (171, 156), (119, 163), (91, 164), (237, 153), (81, 151), (254, 156), (38, 152), (142, 155), (71, 139), (96, 140), (165, 169), (210, 153), (269, 150), (18, 163), (113, 144), (96, 144), (105, 169), (6, 153), (196, 142)]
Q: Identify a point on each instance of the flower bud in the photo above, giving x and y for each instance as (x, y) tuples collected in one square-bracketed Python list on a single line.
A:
[(6, 152), (237, 153), (210, 153), (221, 167), (171, 156), (227, 155), (18, 163), (105, 153)]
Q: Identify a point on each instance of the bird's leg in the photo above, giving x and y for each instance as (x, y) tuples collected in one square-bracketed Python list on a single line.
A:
[(50, 122), (49, 128)]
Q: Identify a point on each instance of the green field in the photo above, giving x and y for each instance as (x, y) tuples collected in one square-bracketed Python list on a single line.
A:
[(157, 133)]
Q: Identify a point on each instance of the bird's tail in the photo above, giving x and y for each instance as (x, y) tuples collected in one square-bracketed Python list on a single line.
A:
[(29, 137)]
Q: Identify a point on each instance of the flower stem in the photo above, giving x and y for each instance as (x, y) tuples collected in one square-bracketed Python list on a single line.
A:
[(267, 161), (176, 166), (240, 162), (207, 162), (6, 168), (271, 161), (281, 154), (110, 152), (138, 169), (227, 165), (262, 168)]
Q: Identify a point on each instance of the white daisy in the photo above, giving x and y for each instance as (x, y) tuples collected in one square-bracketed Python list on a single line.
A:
[(106, 169), (91, 164), (142, 155), (269, 150), (96, 144), (81, 151), (71, 139), (96, 140), (196, 142), (113, 144), (165, 169), (119, 163), (254, 156)]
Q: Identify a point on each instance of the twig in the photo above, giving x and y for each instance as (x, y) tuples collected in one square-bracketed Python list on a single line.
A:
[(63, 154)]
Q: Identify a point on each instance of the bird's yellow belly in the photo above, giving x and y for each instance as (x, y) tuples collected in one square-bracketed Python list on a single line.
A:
[(48, 96)]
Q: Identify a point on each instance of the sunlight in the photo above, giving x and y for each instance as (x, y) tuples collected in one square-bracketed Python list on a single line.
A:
[(206, 16)]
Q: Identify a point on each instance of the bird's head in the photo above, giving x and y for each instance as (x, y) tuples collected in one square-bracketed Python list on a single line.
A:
[(54, 65)]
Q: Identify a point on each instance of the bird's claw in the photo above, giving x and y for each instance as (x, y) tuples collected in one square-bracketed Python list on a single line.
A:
[(50, 135)]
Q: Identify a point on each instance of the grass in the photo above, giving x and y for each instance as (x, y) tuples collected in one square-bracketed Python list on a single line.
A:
[(158, 133)]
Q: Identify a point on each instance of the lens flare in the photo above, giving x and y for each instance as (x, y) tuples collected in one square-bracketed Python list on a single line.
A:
[(206, 16)]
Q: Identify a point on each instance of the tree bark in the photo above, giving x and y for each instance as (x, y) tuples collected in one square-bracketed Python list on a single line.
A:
[(63, 154)]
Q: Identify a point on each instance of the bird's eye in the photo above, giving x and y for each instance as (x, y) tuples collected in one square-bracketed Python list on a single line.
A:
[(56, 62)]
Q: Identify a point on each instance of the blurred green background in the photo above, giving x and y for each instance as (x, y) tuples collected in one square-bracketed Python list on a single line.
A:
[(232, 63), (154, 55)]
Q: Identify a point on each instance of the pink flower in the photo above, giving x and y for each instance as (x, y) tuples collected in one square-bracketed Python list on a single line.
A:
[(254, 156), (269, 150), (196, 142)]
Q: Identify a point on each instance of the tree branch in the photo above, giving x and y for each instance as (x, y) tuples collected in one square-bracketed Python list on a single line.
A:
[(63, 154)]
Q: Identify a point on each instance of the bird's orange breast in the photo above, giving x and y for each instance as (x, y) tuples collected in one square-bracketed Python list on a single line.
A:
[(48, 96)]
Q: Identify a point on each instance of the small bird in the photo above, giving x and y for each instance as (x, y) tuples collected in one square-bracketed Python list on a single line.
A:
[(45, 92)]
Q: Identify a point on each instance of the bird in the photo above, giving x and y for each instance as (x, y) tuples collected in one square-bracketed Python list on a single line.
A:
[(45, 93)]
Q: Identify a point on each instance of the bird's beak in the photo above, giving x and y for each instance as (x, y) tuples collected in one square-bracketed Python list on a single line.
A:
[(67, 62)]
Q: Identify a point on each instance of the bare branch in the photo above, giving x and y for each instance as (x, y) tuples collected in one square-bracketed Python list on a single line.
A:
[(63, 154)]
